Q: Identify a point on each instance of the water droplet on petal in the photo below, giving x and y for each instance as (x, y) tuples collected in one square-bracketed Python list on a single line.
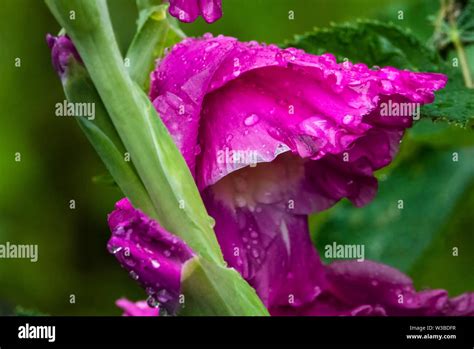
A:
[(164, 296), (150, 291), (114, 249), (197, 150), (255, 253), (212, 222), (119, 231), (240, 201), (155, 264), (211, 45), (129, 261), (152, 302), (133, 275), (347, 119), (251, 120)]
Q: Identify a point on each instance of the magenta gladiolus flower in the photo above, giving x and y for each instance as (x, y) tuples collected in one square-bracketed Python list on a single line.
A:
[(140, 308), (273, 135), (189, 10), (153, 256)]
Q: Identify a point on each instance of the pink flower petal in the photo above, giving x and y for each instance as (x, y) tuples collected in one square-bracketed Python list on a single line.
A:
[(140, 308)]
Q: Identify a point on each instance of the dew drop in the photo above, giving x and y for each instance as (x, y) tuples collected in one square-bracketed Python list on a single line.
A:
[(251, 120), (240, 201), (197, 150), (210, 46), (114, 249), (164, 296), (212, 222), (152, 302), (347, 119), (129, 261), (119, 231), (150, 291), (133, 275), (155, 264)]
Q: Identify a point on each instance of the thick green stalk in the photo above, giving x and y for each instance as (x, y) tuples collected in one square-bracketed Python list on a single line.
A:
[(178, 205), (211, 290), (100, 131)]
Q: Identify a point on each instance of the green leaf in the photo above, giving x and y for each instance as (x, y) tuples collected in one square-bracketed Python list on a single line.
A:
[(371, 42), (211, 290), (439, 134), (448, 262), (100, 131), (21, 311), (156, 31), (104, 179), (399, 237), (454, 104)]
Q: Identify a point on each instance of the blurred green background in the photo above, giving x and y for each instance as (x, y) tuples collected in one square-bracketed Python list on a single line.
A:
[(57, 165)]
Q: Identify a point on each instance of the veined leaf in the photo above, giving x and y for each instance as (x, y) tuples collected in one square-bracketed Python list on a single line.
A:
[(454, 105), (371, 42)]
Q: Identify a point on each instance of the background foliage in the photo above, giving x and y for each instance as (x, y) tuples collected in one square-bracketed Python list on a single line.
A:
[(58, 164)]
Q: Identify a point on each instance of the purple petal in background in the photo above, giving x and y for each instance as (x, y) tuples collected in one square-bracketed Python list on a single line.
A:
[(152, 256), (370, 288), (189, 10), (140, 308)]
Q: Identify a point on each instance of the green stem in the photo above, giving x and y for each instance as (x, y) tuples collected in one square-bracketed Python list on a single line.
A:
[(466, 73), (440, 19), (177, 202), (155, 32), (104, 138), (458, 45)]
